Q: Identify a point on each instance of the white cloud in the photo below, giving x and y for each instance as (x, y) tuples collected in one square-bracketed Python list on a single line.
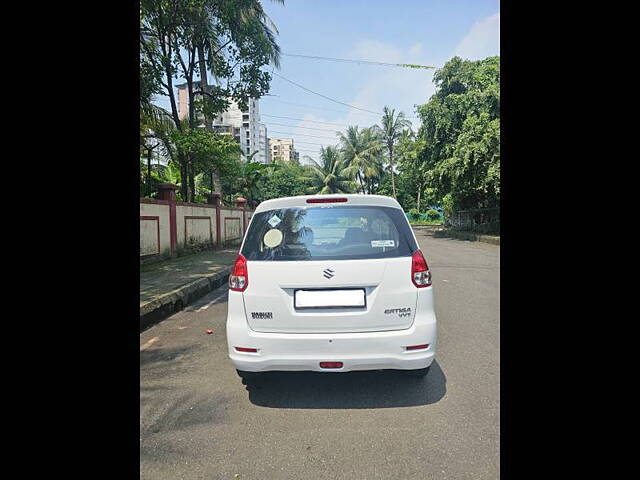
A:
[(482, 40), (399, 88)]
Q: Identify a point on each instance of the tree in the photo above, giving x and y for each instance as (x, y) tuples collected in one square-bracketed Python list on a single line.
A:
[(253, 174), (362, 153), (413, 170), (156, 129), (390, 129), (331, 175), (287, 181), (461, 133), (233, 37)]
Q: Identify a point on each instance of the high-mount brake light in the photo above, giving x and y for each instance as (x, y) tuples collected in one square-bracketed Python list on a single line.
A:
[(239, 277), (420, 274), (331, 364), (327, 200)]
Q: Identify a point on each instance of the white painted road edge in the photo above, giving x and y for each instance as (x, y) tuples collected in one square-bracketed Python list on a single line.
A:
[(204, 307), (149, 343)]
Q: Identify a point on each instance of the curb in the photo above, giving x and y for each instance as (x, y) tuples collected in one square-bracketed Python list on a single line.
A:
[(175, 300), (426, 227), (493, 240)]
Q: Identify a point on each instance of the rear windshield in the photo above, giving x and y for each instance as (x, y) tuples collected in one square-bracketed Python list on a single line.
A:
[(328, 233)]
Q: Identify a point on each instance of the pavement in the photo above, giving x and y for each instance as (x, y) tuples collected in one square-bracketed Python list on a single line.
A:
[(198, 420), (168, 286), (462, 235)]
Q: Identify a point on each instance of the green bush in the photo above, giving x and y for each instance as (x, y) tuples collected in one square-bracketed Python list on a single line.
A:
[(433, 214), (414, 213), (448, 204)]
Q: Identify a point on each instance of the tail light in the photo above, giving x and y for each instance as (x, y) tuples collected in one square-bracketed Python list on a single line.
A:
[(239, 277), (246, 349), (424, 346), (420, 274)]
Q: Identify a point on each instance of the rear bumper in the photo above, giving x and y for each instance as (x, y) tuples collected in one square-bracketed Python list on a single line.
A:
[(357, 351)]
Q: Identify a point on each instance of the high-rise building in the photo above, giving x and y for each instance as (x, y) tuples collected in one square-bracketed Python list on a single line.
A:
[(244, 125), (264, 143), (283, 149)]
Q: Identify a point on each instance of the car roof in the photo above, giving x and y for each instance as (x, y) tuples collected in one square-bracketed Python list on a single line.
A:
[(352, 199)]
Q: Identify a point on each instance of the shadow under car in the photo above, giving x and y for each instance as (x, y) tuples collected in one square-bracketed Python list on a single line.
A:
[(361, 389)]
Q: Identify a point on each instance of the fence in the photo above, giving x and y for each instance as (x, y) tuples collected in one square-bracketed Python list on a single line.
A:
[(167, 225), (424, 216), (481, 220)]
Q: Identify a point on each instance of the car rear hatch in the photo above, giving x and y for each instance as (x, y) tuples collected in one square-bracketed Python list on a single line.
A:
[(329, 269), (346, 296)]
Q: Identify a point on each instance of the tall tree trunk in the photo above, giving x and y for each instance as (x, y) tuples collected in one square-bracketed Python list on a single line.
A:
[(184, 184), (149, 172), (418, 203), (393, 182), (182, 159), (204, 83), (192, 184)]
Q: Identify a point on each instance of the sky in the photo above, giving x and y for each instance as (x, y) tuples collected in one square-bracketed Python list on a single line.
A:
[(425, 32)]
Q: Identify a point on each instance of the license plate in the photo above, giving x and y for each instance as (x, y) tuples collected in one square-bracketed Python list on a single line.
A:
[(338, 298)]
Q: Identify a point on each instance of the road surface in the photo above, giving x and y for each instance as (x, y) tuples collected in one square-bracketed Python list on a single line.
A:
[(198, 420)]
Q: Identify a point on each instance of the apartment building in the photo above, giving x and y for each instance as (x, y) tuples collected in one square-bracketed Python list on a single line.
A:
[(264, 143), (283, 148), (244, 125)]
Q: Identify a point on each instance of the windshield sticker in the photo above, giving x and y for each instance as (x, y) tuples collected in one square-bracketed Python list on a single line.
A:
[(382, 243), (273, 221), (272, 238)]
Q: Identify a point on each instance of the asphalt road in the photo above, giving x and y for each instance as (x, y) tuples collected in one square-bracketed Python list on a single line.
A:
[(198, 420)]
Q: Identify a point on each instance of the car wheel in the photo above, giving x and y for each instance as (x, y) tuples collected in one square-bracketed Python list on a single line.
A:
[(419, 373)]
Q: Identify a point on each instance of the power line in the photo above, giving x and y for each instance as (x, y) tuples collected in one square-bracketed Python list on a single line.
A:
[(303, 120), (311, 143), (319, 108), (306, 147), (305, 135), (306, 128), (323, 96), (363, 62), (300, 141)]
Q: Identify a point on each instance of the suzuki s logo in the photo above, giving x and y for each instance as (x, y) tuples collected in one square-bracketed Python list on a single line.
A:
[(328, 273)]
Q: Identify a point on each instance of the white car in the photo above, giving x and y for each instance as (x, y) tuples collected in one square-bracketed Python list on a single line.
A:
[(330, 283)]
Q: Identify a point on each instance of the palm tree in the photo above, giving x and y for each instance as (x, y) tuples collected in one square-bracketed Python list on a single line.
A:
[(331, 175), (156, 127), (168, 173), (361, 150), (390, 130)]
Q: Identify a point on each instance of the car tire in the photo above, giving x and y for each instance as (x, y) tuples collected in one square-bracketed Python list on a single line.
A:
[(419, 373)]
